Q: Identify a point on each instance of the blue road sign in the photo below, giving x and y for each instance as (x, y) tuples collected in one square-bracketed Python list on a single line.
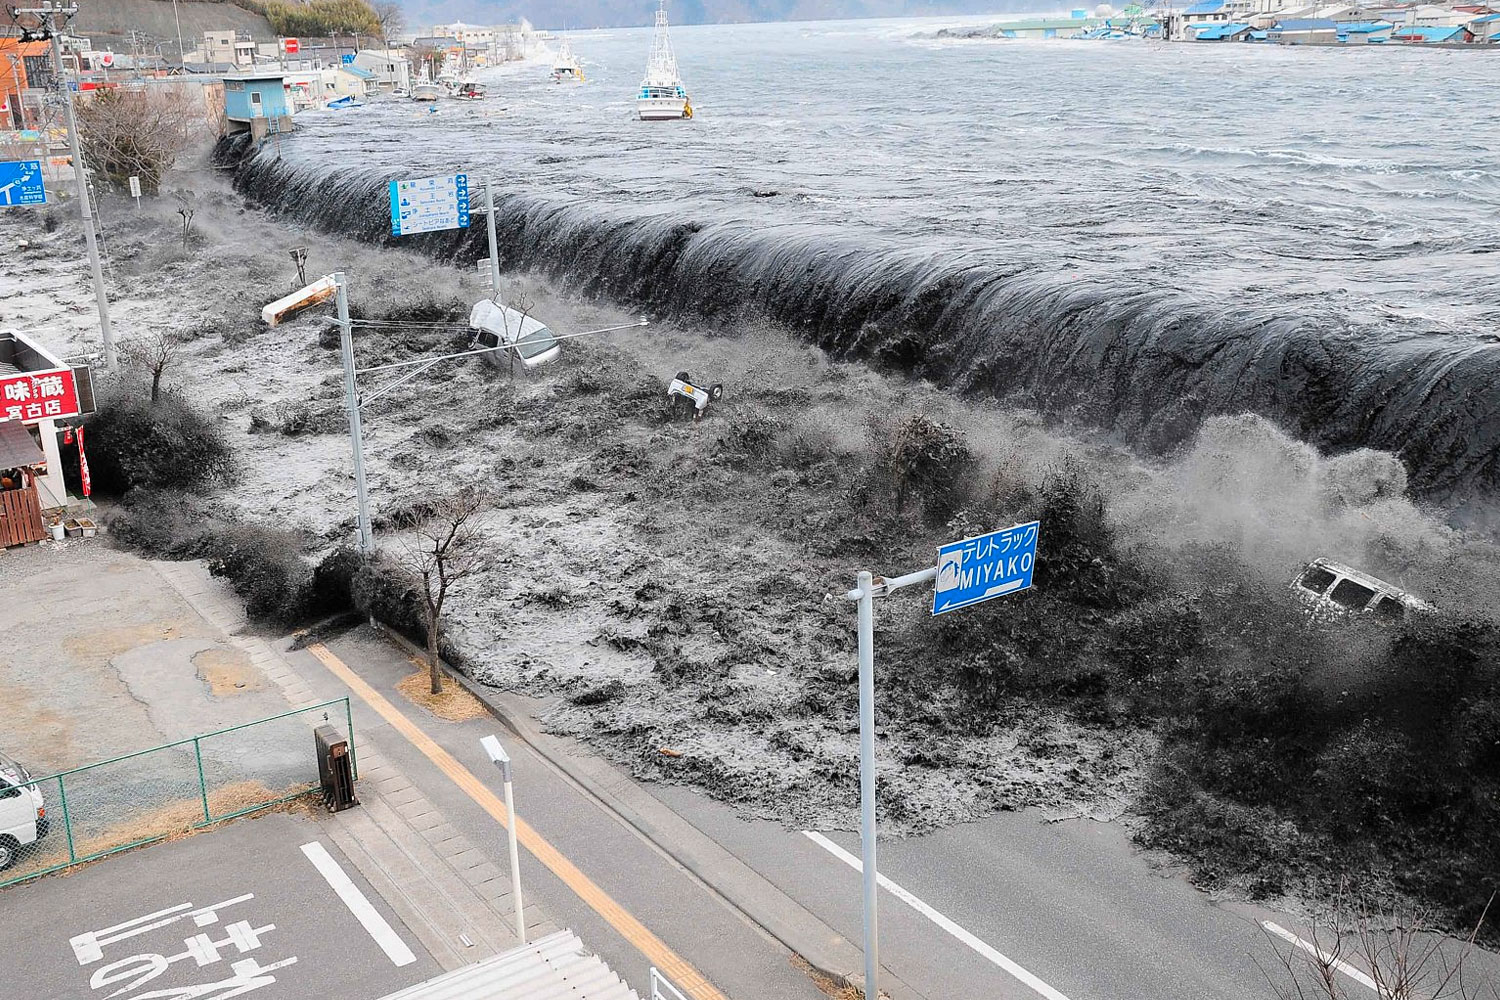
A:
[(21, 183), (347, 58), (427, 204), (993, 565)]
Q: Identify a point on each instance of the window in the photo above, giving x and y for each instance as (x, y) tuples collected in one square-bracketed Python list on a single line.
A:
[(487, 339), (1316, 579), (1390, 609), (538, 341), (254, 97), (1351, 595)]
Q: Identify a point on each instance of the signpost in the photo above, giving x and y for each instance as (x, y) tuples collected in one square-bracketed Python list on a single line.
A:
[(347, 58), (967, 572), (21, 183), (290, 45), (135, 191), (429, 204)]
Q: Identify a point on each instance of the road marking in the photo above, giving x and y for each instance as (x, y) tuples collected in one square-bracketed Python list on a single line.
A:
[(1321, 955), (390, 942), (948, 925), (684, 975)]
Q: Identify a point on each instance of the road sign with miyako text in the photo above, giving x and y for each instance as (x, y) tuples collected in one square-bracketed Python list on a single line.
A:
[(987, 566), (428, 204), (21, 183)]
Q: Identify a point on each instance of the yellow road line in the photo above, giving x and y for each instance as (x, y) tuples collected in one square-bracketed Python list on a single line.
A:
[(676, 968)]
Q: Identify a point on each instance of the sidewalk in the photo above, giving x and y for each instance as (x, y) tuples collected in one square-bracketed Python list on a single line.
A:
[(453, 897)]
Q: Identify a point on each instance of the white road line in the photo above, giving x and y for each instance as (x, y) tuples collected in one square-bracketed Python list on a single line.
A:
[(948, 925), (390, 942), (1322, 956)]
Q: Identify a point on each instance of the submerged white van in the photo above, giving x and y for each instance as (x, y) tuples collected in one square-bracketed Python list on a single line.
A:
[(507, 330), (23, 815), (1330, 586)]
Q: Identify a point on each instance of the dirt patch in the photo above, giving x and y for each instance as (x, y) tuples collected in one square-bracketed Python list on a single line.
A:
[(103, 645), (453, 705), (48, 735), (227, 672)]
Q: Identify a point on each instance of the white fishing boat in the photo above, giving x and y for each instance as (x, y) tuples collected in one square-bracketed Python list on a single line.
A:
[(662, 95), (566, 68), (426, 90)]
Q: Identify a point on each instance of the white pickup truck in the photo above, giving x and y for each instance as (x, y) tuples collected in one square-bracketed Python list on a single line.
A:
[(23, 814)]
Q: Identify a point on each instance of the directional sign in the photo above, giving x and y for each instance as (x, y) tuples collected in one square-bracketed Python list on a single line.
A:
[(347, 58), (977, 569), (21, 183), (427, 204)]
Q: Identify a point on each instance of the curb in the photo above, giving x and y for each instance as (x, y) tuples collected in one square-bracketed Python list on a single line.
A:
[(797, 929)]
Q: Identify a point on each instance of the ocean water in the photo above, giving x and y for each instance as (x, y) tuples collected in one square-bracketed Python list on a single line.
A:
[(1135, 235)]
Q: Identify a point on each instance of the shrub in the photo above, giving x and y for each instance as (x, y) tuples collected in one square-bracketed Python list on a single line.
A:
[(928, 460), (161, 524), (167, 445)]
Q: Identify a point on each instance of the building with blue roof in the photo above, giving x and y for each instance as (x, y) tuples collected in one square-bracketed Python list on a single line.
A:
[(1365, 32), (1425, 35), (1222, 33), (1486, 28), (1207, 12)]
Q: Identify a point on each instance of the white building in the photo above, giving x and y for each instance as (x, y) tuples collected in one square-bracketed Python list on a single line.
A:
[(392, 69), (236, 48)]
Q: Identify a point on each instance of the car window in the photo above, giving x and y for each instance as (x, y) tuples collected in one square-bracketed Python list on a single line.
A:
[(1351, 595), (1390, 608), (1316, 579), (538, 341), (488, 339)]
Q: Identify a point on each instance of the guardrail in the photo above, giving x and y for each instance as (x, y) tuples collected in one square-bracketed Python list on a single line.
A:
[(662, 988), (113, 805)]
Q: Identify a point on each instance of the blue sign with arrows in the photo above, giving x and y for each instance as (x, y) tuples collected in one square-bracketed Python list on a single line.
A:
[(21, 183), (427, 204), (987, 566)]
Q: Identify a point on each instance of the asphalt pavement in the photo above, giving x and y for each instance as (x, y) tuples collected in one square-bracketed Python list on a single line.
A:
[(267, 906)]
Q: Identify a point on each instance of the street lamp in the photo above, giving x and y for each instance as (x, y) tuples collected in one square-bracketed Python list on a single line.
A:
[(501, 759)]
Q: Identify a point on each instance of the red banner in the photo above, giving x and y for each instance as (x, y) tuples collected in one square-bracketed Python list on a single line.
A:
[(83, 467), (34, 396)]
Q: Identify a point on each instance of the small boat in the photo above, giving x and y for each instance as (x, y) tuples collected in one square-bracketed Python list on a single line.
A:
[(662, 96), (469, 91), (426, 91), (565, 68), (347, 101)]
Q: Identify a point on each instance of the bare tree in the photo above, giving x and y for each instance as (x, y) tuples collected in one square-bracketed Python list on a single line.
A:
[(522, 304), (391, 17), (152, 353), (130, 133), (1354, 948), (445, 547)]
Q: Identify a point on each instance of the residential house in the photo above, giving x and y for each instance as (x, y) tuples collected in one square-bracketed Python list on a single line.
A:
[(1432, 16), (1366, 32), (1303, 31), (1425, 35), (1486, 28), (391, 69), (1205, 12), (258, 103), (235, 48), (25, 75)]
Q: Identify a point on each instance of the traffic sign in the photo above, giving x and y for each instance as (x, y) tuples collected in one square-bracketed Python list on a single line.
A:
[(21, 183), (347, 58), (290, 45), (978, 569), (427, 204)]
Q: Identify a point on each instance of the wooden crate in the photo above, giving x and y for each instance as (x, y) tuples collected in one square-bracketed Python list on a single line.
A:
[(20, 517)]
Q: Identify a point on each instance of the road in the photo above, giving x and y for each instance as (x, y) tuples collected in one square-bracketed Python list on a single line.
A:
[(266, 905)]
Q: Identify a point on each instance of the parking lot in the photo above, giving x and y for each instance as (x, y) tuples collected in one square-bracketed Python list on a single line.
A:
[(268, 907)]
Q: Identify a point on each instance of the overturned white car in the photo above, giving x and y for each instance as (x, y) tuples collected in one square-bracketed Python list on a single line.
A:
[(508, 330), (1329, 586)]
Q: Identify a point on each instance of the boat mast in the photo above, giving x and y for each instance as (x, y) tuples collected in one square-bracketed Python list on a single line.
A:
[(661, 67)]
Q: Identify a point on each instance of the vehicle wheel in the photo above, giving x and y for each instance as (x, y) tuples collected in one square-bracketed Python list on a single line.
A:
[(9, 850), (716, 393)]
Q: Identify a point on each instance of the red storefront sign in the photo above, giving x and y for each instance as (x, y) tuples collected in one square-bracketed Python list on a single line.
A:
[(44, 395), (291, 44)]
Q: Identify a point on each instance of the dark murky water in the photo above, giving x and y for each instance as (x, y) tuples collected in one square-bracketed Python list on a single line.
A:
[(1136, 235)]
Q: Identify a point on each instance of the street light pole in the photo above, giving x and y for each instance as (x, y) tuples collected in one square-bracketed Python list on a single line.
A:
[(501, 760), (489, 208), (48, 16), (867, 778), (351, 402)]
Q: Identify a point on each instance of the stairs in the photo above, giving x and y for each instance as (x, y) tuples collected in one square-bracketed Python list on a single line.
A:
[(556, 967)]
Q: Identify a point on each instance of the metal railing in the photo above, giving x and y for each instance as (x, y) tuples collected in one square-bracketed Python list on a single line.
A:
[(138, 798), (662, 988)]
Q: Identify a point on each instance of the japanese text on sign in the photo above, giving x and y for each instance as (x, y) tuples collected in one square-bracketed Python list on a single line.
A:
[(37, 396), (977, 569), (206, 949), (21, 183)]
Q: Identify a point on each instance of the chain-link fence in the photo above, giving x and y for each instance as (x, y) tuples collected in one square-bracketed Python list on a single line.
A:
[(63, 819)]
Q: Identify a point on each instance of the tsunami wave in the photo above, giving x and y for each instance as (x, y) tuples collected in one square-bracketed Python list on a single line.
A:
[(1148, 363)]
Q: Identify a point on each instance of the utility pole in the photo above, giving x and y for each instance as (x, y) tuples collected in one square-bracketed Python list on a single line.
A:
[(48, 15), (181, 49), (351, 403)]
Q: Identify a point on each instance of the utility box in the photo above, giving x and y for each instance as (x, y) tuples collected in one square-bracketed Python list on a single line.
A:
[(335, 768)]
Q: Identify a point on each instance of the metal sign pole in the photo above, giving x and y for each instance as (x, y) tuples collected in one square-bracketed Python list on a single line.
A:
[(501, 759), (351, 402), (489, 206), (867, 776)]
